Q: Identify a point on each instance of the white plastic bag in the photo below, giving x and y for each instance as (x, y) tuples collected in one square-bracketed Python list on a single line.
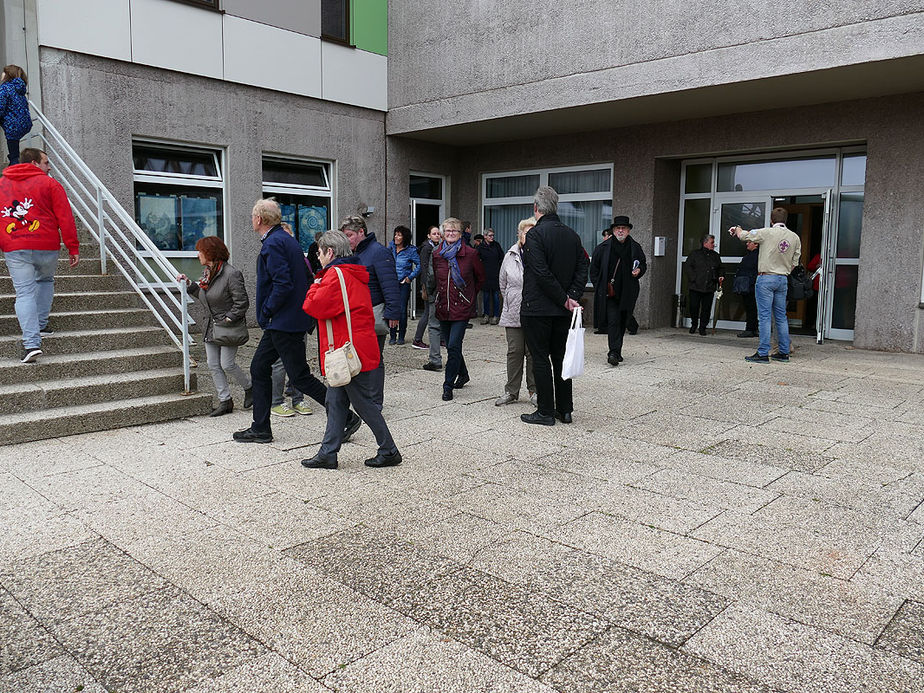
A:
[(573, 364)]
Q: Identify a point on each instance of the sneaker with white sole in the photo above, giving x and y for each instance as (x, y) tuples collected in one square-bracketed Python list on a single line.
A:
[(282, 410), (303, 408), (30, 354), (505, 398)]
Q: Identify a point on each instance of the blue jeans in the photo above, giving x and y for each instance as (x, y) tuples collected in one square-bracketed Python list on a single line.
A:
[(771, 292), (33, 275), (453, 331), (492, 305), (280, 391), (401, 330)]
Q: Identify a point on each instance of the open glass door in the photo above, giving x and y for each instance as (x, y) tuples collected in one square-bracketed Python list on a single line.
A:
[(825, 270)]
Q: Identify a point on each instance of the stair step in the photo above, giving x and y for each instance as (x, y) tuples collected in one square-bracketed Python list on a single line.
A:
[(74, 282), (68, 366), (51, 394), (85, 418), (79, 300), (73, 342), (81, 319), (87, 265)]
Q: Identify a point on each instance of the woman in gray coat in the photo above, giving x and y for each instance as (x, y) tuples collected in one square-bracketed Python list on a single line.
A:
[(221, 290), (511, 288)]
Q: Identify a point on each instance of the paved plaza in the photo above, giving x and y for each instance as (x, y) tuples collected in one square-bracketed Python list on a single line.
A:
[(705, 525)]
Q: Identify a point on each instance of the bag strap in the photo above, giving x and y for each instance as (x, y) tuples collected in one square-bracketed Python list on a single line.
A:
[(615, 270), (346, 307), (576, 317)]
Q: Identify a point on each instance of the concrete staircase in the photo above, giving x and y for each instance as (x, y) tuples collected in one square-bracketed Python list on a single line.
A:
[(108, 364)]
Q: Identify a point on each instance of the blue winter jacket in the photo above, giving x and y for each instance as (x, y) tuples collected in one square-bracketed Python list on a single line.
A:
[(407, 262), (282, 284), (14, 109), (383, 279)]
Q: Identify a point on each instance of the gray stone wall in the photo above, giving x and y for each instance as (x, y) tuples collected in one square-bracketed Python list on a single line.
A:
[(100, 105), (646, 187), (477, 60)]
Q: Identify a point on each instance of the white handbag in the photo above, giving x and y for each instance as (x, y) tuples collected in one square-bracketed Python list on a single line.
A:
[(573, 364), (341, 364)]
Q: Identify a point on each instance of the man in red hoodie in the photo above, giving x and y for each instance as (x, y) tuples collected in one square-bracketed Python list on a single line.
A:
[(35, 216)]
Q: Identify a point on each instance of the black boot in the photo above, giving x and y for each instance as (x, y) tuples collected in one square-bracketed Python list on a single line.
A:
[(225, 407), (248, 397)]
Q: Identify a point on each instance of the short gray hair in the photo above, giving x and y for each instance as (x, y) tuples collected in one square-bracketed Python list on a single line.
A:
[(705, 238), (336, 241), (267, 211), (546, 200), (353, 223)]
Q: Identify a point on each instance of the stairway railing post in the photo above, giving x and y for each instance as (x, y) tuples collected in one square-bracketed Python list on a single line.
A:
[(185, 328), (102, 230)]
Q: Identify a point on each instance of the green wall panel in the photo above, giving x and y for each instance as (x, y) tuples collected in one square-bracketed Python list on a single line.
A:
[(370, 25)]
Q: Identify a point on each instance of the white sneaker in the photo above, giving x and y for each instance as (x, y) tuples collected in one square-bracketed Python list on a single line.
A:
[(534, 400), (505, 398)]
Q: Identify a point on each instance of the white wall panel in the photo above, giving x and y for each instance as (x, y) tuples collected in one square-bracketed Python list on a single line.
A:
[(177, 37), (352, 76), (97, 27), (264, 56)]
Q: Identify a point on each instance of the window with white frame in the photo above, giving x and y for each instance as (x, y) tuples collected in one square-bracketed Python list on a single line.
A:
[(304, 192), (179, 198), (585, 200)]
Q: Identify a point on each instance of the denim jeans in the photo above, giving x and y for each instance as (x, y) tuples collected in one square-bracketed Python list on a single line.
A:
[(453, 331), (279, 387), (33, 275), (771, 292), (359, 392), (12, 146), (401, 329), (492, 303)]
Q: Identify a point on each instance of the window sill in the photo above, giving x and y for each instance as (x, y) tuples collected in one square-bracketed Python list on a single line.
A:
[(201, 5), (338, 41)]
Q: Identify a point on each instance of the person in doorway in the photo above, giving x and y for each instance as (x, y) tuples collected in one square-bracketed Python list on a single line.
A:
[(221, 290), (383, 287), (407, 266), (779, 252), (457, 275), (14, 109), (325, 303), (428, 319), (511, 286), (467, 232), (599, 325), (704, 277), (282, 283), (491, 255), (747, 278), (36, 217), (554, 277), (615, 270)]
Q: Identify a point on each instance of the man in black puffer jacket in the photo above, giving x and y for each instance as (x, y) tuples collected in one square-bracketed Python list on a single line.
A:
[(554, 277), (704, 277)]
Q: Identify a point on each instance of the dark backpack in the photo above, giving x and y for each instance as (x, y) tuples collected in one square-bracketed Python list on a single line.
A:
[(800, 284)]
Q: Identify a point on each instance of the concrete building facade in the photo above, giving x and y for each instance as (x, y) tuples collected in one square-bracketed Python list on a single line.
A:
[(686, 117)]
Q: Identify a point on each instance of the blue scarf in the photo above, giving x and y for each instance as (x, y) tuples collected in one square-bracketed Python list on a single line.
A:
[(448, 252)]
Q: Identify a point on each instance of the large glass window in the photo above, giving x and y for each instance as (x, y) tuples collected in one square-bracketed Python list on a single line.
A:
[(335, 20), (304, 192), (816, 172), (585, 200), (179, 198)]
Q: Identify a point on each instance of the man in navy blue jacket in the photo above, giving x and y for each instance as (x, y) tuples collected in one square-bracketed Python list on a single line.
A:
[(383, 285), (282, 284)]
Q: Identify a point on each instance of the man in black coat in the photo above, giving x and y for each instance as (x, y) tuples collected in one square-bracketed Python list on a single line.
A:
[(704, 277), (747, 274), (491, 255), (554, 276), (618, 263)]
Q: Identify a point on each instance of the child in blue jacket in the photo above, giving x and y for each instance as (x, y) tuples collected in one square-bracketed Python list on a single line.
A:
[(14, 108)]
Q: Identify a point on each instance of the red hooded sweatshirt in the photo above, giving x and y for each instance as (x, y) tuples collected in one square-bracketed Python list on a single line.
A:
[(33, 206), (325, 302)]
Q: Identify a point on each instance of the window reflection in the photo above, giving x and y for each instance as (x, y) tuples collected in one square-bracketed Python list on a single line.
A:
[(695, 223), (853, 171), (779, 175), (843, 312)]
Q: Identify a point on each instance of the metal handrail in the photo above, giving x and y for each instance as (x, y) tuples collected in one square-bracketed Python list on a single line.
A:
[(146, 268)]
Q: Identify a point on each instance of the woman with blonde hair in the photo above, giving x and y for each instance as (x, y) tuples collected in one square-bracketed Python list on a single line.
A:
[(511, 288)]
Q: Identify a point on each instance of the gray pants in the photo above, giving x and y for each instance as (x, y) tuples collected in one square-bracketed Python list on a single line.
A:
[(360, 392), (279, 386), (221, 364), (516, 350), (436, 357), (422, 322)]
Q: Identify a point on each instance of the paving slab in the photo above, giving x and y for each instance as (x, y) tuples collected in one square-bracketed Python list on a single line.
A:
[(706, 491), (792, 656), (905, 633), (426, 661), (268, 672), (62, 673), (515, 626), (24, 642), (748, 449), (622, 662)]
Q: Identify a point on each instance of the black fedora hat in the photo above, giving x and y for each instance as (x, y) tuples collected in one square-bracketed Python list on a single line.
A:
[(621, 221)]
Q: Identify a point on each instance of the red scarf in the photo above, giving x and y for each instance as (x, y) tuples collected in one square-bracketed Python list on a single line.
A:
[(208, 272)]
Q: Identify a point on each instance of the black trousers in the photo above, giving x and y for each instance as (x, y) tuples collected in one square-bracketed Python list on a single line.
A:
[(290, 347), (750, 307), (546, 337), (700, 308), (616, 323)]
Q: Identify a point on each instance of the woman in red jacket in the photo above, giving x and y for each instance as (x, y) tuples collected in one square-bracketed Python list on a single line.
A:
[(454, 283), (325, 303)]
